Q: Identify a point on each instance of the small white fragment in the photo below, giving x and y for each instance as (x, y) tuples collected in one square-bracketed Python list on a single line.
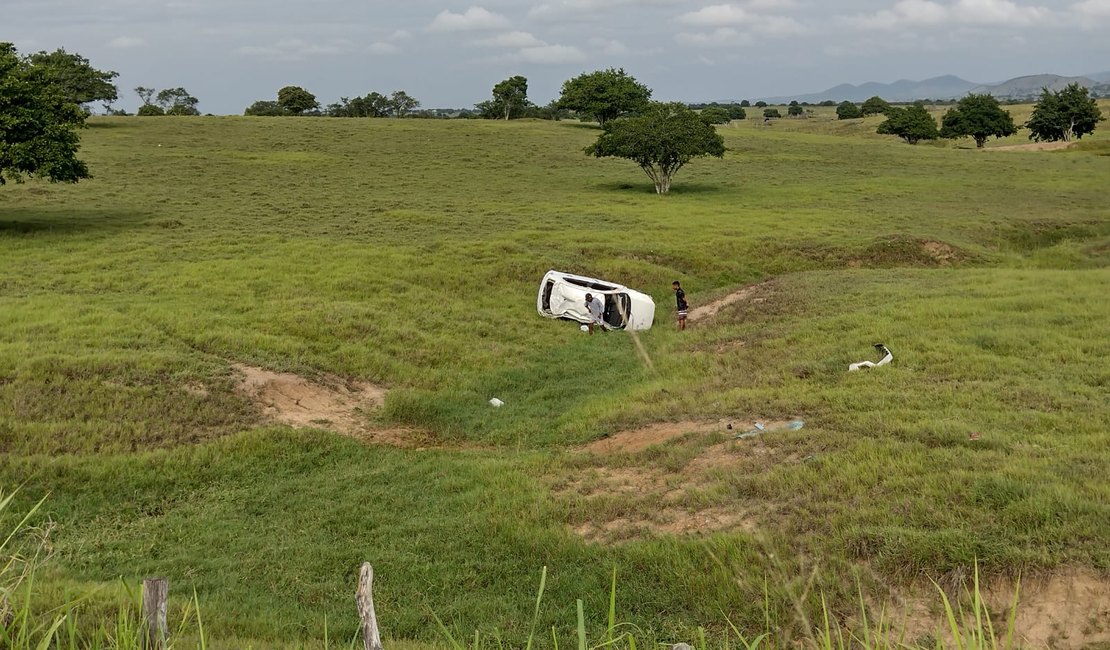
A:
[(496, 403)]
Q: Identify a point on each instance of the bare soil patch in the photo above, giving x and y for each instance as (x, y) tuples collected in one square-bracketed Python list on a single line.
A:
[(633, 440), (1066, 610), (941, 252), (332, 403), (1033, 146), (710, 309), (623, 503)]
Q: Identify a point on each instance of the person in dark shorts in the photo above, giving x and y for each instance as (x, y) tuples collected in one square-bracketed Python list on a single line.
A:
[(683, 306)]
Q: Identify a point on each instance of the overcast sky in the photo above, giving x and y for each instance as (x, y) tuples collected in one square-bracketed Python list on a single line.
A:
[(229, 53)]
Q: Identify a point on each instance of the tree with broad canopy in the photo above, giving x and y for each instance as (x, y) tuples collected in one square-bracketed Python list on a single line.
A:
[(510, 96), (912, 124), (661, 140), (38, 123), (295, 100), (1064, 115), (79, 82), (978, 116), (604, 95)]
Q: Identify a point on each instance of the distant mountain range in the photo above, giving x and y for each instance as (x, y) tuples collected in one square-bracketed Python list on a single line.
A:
[(945, 87)]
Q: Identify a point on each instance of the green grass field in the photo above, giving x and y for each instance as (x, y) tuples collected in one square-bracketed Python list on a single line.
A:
[(407, 253)]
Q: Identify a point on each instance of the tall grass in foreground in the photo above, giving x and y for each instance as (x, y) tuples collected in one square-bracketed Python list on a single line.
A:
[(968, 621), (22, 627)]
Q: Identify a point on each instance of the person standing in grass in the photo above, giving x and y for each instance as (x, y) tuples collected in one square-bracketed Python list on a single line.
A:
[(593, 305), (683, 306)]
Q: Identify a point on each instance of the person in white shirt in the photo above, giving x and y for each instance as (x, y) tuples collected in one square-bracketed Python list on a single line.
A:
[(593, 305)]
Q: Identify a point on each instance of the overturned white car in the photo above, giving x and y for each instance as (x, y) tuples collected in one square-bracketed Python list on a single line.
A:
[(563, 295)]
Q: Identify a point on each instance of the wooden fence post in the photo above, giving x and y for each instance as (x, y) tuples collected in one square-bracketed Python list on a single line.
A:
[(371, 640), (156, 595)]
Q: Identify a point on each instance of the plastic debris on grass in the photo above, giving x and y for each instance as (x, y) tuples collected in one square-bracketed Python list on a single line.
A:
[(887, 357)]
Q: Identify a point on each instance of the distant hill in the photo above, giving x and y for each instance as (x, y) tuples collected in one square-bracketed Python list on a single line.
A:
[(903, 90), (945, 87), (1030, 86)]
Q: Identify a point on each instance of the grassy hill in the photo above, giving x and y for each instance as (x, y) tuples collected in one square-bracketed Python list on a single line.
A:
[(406, 253)]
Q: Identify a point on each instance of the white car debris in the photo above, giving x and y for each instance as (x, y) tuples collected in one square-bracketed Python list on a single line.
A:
[(887, 357), (563, 295)]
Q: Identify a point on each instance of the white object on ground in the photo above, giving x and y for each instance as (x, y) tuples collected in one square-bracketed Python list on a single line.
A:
[(585, 328), (496, 403), (887, 357)]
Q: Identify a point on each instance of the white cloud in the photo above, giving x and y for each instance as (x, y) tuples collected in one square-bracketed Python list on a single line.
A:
[(511, 39), (609, 47), (474, 18), (928, 13), (552, 54), (722, 37), (770, 5), (295, 49), (123, 42), (585, 10), (383, 48), (998, 12), (1092, 7), (400, 35), (716, 16)]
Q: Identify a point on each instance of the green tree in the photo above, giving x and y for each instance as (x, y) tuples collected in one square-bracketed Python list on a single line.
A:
[(604, 95), (510, 96), (737, 113), (150, 110), (771, 113), (401, 104), (847, 111), (661, 140), (912, 124), (295, 100), (978, 116), (145, 94), (745, 104), (38, 123), (715, 115), (177, 101), (794, 109), (875, 106), (79, 82), (761, 104), (266, 108), (1063, 115)]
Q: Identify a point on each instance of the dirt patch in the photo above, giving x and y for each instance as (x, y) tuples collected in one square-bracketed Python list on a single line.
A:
[(634, 440), (618, 504), (710, 309), (667, 521), (332, 403), (1067, 610), (1033, 146), (941, 252)]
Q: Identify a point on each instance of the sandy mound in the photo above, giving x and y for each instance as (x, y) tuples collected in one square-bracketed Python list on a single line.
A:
[(710, 309), (338, 405), (1032, 146)]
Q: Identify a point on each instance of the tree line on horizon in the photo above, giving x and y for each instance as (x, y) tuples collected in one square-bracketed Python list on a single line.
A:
[(46, 95)]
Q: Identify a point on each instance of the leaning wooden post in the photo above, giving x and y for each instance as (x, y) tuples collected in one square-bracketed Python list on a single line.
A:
[(371, 640), (156, 595)]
